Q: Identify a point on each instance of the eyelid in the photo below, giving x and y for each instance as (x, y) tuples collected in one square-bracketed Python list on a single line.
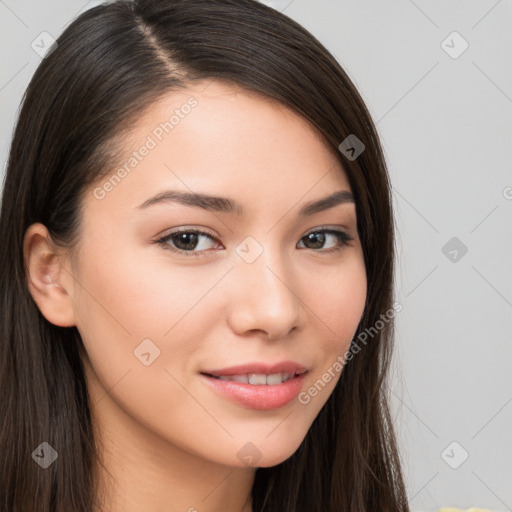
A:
[(206, 231), (188, 229), (327, 227)]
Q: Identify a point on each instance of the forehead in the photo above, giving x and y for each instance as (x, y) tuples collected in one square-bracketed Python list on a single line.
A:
[(218, 138)]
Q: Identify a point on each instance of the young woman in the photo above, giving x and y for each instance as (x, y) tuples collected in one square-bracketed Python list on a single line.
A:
[(196, 272)]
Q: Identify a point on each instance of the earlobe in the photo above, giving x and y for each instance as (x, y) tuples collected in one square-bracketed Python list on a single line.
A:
[(49, 282)]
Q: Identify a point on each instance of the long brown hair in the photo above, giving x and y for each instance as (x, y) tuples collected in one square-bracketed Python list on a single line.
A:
[(110, 64)]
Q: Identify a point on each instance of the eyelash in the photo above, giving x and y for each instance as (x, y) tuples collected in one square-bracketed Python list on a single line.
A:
[(343, 237)]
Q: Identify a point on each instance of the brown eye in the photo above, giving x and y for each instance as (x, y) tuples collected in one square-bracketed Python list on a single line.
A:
[(317, 239), (189, 242), (185, 241)]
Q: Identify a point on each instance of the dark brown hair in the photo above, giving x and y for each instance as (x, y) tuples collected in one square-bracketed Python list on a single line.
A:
[(111, 63)]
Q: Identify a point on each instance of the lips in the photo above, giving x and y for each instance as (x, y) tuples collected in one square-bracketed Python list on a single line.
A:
[(266, 396), (260, 386)]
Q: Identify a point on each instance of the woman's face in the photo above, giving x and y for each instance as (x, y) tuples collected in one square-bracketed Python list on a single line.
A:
[(261, 284)]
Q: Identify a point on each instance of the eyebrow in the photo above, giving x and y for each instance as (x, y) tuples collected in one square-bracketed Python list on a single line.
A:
[(230, 206)]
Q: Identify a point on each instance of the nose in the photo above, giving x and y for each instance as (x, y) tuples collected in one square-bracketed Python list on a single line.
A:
[(265, 301)]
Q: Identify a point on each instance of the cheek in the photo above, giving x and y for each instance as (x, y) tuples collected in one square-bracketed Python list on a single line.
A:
[(339, 305), (126, 303), (128, 300), (341, 297), (139, 296)]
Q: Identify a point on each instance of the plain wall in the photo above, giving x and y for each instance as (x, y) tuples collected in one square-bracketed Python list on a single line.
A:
[(446, 125)]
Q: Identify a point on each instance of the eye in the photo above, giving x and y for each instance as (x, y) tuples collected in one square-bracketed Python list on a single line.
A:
[(195, 243), (318, 238), (185, 241)]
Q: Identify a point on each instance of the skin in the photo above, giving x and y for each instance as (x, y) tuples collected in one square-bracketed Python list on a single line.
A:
[(168, 441)]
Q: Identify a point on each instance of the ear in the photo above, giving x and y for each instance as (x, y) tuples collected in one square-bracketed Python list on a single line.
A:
[(49, 282)]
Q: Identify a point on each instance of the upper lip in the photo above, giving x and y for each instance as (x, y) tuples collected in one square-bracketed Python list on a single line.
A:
[(290, 367)]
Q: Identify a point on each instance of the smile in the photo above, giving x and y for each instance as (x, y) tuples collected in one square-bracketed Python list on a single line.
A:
[(258, 391)]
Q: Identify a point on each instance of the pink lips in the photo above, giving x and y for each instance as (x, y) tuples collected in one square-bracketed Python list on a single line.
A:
[(262, 397)]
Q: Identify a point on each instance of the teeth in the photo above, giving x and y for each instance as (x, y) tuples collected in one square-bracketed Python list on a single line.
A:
[(259, 379), (244, 379), (277, 378)]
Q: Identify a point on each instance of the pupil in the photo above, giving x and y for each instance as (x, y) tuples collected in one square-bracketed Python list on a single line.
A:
[(318, 238), (182, 240)]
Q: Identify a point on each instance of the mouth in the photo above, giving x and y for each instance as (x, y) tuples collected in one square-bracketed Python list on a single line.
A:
[(264, 388)]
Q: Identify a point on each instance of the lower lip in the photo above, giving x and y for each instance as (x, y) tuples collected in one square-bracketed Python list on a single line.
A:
[(262, 397)]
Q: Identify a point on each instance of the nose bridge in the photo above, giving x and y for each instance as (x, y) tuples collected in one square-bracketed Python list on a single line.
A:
[(265, 299)]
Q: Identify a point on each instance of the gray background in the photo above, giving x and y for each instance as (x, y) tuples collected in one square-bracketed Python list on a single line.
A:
[(445, 122)]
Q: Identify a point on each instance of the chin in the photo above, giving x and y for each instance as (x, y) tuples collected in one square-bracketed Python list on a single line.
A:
[(266, 454)]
